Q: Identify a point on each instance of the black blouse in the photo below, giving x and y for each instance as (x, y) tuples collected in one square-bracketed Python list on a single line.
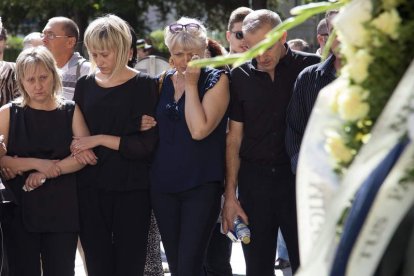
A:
[(117, 111)]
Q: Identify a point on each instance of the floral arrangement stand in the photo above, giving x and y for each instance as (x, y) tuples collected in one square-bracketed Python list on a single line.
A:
[(356, 122)]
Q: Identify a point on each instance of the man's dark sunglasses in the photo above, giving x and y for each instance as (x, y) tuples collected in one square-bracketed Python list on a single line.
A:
[(238, 35)]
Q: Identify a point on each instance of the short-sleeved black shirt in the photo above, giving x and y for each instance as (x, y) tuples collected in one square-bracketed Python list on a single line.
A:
[(260, 104)]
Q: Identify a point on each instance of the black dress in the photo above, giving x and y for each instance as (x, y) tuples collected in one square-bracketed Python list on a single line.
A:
[(114, 194), (45, 220)]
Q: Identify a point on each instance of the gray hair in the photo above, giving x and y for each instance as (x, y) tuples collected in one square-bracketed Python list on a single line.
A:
[(257, 19), (187, 40), (30, 38)]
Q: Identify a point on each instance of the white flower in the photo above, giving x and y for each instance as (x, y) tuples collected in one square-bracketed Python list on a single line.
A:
[(351, 104), (350, 22), (347, 50), (388, 23), (335, 88), (336, 147), (357, 66)]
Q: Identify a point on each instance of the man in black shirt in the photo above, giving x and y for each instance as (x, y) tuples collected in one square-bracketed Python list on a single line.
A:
[(308, 84), (257, 161)]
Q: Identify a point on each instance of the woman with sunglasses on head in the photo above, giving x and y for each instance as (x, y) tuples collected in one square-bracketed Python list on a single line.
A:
[(188, 169), (114, 199)]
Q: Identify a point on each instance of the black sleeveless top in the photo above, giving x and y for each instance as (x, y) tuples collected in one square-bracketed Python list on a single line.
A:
[(47, 135)]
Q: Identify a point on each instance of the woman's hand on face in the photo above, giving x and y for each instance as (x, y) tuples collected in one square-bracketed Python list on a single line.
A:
[(34, 180), (80, 144), (192, 74), (147, 122)]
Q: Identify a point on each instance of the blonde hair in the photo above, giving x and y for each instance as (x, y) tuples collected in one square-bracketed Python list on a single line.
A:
[(187, 40), (29, 59), (111, 33)]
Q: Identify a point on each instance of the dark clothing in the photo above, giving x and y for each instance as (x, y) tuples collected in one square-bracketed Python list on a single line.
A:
[(45, 221), (270, 203), (117, 111), (180, 162), (260, 104), (360, 208), (266, 184), (187, 179), (397, 257), (186, 220), (57, 251), (114, 231), (218, 254), (308, 84), (113, 194)]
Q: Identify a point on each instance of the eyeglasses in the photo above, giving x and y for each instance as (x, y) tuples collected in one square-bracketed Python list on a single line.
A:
[(172, 111), (238, 35), (52, 36), (190, 27)]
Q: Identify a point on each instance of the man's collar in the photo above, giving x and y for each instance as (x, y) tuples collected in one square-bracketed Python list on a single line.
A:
[(327, 66), (284, 60)]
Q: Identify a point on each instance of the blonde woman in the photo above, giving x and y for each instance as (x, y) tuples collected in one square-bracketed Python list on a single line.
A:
[(114, 194), (188, 170), (38, 128)]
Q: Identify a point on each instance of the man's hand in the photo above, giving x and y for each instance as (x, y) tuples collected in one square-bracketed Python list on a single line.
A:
[(231, 210)]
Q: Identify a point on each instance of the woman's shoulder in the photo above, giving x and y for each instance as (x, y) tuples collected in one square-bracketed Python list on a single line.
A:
[(212, 76)]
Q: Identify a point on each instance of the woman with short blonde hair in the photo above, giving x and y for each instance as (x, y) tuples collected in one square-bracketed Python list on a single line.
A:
[(114, 195)]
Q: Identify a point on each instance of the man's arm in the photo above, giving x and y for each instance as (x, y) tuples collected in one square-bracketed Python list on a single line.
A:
[(296, 119), (232, 208)]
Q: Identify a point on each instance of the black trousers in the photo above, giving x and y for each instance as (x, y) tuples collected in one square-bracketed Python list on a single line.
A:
[(114, 231), (267, 195), (218, 254), (31, 253), (186, 220)]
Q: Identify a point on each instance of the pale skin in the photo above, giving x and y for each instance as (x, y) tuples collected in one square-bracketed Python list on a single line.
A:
[(38, 84), (201, 117), (266, 62), (105, 61), (61, 47)]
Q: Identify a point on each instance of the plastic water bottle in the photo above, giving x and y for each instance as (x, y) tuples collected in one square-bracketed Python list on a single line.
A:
[(241, 230)]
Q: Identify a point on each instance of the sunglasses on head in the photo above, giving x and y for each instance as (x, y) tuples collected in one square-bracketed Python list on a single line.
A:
[(190, 27), (172, 111), (238, 35)]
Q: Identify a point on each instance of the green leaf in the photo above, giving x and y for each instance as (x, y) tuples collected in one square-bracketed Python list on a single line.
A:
[(303, 13)]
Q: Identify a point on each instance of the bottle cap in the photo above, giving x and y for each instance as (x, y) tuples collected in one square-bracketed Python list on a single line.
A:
[(245, 240)]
